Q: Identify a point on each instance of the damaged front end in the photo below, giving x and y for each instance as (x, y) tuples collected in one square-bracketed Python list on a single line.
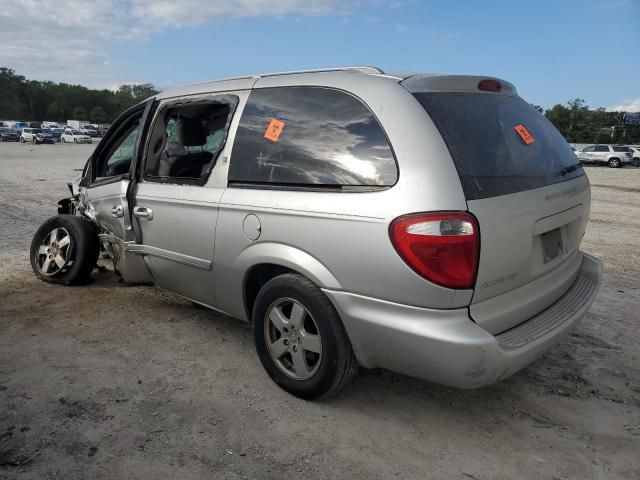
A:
[(70, 206), (113, 249)]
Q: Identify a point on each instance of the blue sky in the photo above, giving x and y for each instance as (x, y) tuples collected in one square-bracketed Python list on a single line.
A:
[(552, 50)]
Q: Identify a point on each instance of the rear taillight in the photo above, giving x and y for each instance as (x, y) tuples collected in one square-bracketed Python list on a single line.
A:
[(489, 85), (442, 247)]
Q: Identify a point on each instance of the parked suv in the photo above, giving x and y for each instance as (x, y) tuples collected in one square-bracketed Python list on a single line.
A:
[(430, 225), (28, 134), (613, 155), (36, 135)]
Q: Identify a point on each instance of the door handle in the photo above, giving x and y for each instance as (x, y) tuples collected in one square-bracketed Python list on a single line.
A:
[(143, 212), (117, 211)]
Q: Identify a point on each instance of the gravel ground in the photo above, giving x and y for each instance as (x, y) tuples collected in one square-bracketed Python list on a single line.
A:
[(108, 381)]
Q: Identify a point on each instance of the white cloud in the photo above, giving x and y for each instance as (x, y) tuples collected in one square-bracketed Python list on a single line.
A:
[(197, 12), (67, 40), (630, 106)]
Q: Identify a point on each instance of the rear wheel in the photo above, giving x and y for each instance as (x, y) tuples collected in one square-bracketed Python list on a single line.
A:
[(636, 161), (300, 339), (65, 250), (615, 163)]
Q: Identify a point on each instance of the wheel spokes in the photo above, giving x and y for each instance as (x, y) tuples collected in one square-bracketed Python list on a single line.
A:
[(278, 319), (297, 315), (310, 342), (64, 241), (59, 261), (300, 365), (279, 347), (293, 339), (53, 236), (53, 253), (45, 265)]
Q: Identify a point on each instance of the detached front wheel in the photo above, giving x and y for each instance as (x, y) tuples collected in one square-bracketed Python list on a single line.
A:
[(300, 339), (64, 250)]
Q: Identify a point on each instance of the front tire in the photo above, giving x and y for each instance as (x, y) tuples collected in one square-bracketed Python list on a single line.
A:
[(300, 339), (64, 250), (636, 162)]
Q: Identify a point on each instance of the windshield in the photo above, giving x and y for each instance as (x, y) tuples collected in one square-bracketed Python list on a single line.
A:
[(6, 130), (499, 144), (76, 132)]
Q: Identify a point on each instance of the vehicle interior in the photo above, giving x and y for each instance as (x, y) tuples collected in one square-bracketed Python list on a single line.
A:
[(186, 140)]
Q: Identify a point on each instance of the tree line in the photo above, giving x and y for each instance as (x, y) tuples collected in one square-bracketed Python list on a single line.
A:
[(32, 100), (581, 124)]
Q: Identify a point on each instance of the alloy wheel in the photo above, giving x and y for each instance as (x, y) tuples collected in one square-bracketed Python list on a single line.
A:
[(53, 255), (293, 339)]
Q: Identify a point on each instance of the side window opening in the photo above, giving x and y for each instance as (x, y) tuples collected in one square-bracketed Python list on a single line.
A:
[(602, 148), (187, 139), (117, 157)]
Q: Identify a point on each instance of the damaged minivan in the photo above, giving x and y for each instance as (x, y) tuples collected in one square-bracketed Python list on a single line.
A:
[(426, 224)]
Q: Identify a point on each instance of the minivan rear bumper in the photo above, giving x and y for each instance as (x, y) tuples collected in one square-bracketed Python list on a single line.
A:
[(446, 346)]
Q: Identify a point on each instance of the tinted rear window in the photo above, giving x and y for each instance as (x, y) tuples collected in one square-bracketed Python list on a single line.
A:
[(492, 158), (621, 149), (310, 137)]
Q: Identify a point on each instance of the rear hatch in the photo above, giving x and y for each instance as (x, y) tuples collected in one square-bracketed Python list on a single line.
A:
[(529, 194)]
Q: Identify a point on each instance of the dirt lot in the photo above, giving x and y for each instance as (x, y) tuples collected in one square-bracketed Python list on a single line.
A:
[(107, 381)]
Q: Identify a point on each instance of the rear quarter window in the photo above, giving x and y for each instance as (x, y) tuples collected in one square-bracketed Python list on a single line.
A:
[(310, 137), (492, 154)]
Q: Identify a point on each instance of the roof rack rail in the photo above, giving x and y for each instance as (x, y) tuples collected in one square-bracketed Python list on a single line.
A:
[(355, 68)]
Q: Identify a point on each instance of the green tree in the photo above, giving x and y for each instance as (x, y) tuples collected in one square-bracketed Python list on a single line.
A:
[(55, 112), (23, 99), (79, 113), (98, 115)]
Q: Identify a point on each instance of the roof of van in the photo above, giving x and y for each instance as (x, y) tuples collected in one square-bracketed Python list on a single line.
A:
[(247, 82)]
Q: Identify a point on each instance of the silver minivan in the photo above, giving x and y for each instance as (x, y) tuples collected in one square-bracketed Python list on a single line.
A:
[(426, 224)]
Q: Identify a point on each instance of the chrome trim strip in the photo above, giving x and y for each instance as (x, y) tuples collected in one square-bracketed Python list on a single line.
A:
[(199, 263)]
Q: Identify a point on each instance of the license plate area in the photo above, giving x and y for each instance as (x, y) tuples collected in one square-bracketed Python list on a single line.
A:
[(551, 245)]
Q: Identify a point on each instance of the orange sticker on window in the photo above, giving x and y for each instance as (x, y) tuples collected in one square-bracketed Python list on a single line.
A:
[(524, 134), (274, 130)]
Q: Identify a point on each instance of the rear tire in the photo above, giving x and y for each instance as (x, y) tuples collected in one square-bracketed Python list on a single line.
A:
[(615, 163), (323, 348), (64, 250), (636, 161)]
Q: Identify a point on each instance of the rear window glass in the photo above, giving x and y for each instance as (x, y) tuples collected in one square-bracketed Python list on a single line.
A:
[(310, 136), (493, 154), (621, 149)]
